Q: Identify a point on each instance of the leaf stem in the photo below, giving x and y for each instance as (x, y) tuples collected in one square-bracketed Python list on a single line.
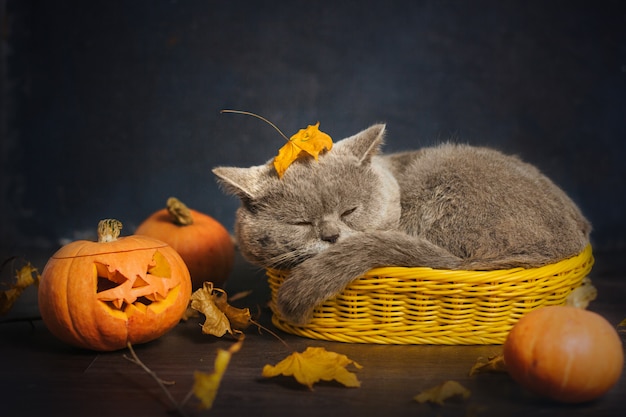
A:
[(261, 327), (258, 117), (187, 397), (135, 359)]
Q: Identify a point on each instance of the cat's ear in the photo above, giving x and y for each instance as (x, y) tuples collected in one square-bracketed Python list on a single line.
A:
[(365, 144), (243, 182)]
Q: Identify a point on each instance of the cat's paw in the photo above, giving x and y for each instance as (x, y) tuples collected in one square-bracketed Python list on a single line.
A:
[(301, 292), (292, 310), (291, 305), (294, 302)]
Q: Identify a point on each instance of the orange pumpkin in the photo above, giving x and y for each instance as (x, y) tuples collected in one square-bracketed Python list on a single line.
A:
[(564, 353), (203, 243), (102, 295)]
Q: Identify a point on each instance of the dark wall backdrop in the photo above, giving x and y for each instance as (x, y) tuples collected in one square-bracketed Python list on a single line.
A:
[(110, 107)]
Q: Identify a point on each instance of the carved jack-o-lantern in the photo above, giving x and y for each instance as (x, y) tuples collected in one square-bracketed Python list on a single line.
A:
[(102, 295)]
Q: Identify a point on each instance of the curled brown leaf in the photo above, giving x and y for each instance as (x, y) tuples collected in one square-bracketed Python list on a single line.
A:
[(220, 317)]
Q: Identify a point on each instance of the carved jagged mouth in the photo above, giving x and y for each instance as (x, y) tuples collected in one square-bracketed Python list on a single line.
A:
[(105, 284), (118, 291)]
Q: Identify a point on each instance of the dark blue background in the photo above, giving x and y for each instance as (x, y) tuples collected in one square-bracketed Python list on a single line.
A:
[(110, 107)]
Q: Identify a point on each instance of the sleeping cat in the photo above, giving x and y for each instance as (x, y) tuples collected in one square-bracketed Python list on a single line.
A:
[(450, 206)]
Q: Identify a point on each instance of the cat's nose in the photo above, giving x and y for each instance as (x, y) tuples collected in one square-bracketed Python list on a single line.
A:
[(329, 231), (330, 238)]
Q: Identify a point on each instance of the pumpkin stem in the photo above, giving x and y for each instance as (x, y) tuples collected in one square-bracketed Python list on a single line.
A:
[(109, 230), (179, 212)]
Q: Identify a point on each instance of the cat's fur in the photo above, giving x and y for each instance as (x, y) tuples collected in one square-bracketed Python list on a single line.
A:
[(449, 206)]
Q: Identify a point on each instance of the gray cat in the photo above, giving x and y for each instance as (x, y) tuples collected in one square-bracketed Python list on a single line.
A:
[(450, 206)]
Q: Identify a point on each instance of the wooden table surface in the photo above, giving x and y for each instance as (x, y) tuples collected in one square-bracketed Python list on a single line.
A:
[(42, 376)]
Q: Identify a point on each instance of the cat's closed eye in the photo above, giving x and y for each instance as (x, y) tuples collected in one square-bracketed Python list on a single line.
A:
[(348, 212), (301, 223)]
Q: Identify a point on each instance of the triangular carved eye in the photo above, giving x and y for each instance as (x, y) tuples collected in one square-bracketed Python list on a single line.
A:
[(105, 284), (140, 283), (160, 267)]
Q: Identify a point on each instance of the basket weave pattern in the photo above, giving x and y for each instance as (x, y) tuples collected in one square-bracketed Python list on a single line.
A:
[(398, 305)]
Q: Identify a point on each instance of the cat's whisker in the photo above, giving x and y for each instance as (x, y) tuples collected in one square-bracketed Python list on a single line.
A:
[(288, 260)]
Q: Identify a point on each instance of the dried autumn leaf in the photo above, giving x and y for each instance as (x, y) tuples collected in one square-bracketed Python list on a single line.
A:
[(239, 318), (216, 322), (310, 141), (24, 278), (582, 295), (206, 384), (440, 393), (313, 365), (189, 313), (490, 364), (220, 317)]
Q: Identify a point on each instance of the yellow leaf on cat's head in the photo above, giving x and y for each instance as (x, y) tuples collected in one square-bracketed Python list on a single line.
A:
[(310, 141), (313, 365)]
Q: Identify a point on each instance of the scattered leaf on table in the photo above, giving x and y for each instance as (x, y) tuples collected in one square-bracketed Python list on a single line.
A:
[(189, 313), (442, 392), (24, 278), (622, 323), (310, 141), (313, 365), (206, 385), (490, 364), (239, 318), (220, 317), (582, 295)]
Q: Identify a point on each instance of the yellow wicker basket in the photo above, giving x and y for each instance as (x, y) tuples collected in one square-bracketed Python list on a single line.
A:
[(397, 305)]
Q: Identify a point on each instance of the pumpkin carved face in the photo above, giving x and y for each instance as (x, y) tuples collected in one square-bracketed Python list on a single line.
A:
[(102, 295)]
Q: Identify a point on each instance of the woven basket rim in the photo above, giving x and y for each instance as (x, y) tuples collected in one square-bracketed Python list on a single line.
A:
[(421, 305)]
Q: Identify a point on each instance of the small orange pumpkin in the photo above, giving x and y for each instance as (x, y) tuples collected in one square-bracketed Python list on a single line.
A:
[(203, 243), (102, 295), (564, 353)]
